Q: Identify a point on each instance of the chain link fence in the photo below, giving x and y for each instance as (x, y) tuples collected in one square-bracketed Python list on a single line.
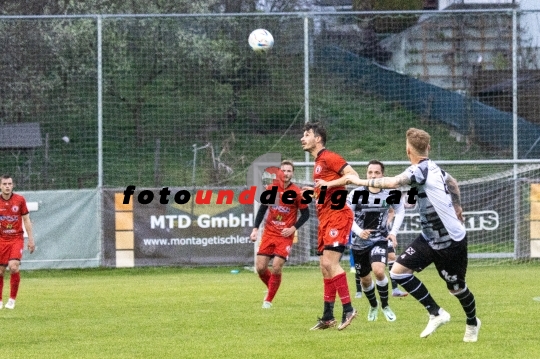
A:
[(182, 101), (172, 100)]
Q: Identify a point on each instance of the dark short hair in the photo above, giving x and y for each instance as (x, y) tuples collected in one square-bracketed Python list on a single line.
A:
[(375, 162), (318, 130), (6, 176)]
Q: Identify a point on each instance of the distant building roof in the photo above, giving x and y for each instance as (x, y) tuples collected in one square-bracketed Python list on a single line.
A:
[(20, 135)]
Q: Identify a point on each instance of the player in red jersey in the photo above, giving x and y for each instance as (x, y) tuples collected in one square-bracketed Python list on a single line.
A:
[(335, 224), (13, 213), (277, 239)]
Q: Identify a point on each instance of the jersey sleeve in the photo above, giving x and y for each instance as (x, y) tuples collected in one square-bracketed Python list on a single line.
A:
[(444, 175), (24, 209), (336, 163), (416, 174)]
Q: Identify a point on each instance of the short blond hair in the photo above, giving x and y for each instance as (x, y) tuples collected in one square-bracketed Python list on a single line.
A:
[(419, 140), (287, 163)]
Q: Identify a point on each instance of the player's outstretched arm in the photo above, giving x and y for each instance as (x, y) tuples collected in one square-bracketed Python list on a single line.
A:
[(383, 182), (348, 176), (387, 182)]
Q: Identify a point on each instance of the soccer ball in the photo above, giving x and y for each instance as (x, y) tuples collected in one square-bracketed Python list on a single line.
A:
[(261, 40)]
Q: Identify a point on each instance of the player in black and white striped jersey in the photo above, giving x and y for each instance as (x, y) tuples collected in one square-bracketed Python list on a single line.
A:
[(371, 237), (443, 240)]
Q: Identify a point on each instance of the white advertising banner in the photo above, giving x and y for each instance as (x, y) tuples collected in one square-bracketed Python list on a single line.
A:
[(66, 229)]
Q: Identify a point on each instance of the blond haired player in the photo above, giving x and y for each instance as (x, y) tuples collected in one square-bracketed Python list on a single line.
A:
[(443, 240)]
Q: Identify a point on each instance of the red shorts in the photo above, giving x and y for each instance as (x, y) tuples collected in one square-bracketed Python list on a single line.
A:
[(11, 250), (334, 230), (272, 246)]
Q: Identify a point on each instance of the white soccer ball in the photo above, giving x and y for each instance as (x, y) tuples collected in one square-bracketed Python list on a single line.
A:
[(261, 40)]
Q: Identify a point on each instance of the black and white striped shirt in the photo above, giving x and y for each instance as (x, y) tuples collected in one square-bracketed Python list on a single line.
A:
[(440, 225)]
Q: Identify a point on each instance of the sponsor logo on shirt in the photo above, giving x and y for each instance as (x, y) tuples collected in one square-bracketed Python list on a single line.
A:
[(282, 209)]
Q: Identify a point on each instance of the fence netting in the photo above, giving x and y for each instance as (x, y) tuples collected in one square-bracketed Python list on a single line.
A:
[(184, 101)]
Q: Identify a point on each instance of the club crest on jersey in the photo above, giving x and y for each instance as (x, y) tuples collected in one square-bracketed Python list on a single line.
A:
[(15, 209), (333, 232), (318, 169)]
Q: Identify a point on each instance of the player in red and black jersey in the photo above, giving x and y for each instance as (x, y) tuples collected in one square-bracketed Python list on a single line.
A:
[(277, 239), (334, 225), (13, 213)]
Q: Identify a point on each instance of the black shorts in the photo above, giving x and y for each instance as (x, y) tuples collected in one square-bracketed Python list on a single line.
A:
[(451, 262), (339, 249), (363, 258)]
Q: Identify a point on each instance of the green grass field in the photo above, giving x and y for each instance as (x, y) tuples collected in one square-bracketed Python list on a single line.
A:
[(211, 313)]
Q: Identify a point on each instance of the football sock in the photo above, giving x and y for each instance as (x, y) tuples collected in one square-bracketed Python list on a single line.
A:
[(1, 286), (273, 286), (466, 299), (14, 281), (329, 291), (418, 290), (265, 277), (394, 283), (342, 288), (370, 295), (382, 288), (358, 281), (328, 312)]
